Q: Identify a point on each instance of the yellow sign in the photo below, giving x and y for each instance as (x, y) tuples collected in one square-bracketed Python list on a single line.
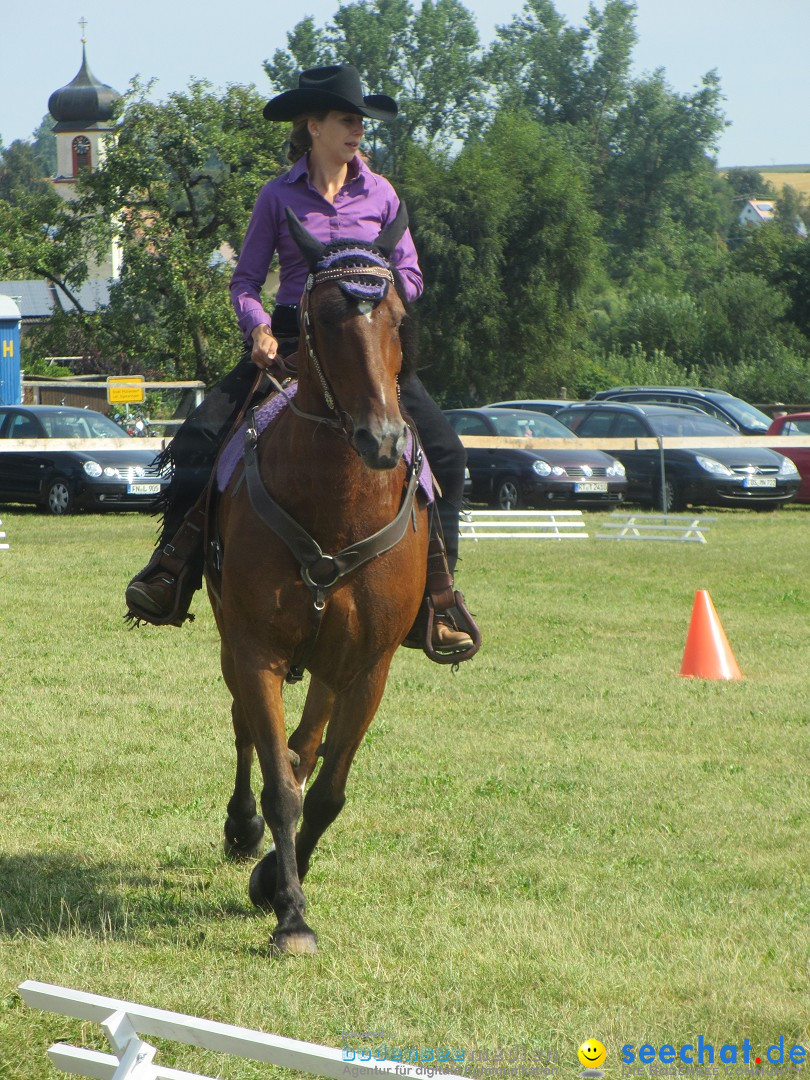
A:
[(8, 348), (125, 389)]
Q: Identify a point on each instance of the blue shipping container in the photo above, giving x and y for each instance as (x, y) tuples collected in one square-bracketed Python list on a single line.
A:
[(9, 352)]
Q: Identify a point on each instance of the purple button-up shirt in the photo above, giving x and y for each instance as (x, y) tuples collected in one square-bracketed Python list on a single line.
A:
[(362, 208)]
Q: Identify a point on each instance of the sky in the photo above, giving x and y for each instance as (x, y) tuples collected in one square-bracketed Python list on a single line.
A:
[(759, 49)]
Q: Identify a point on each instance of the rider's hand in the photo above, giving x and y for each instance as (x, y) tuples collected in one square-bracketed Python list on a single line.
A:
[(265, 346)]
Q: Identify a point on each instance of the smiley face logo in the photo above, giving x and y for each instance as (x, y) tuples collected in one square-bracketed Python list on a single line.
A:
[(592, 1054)]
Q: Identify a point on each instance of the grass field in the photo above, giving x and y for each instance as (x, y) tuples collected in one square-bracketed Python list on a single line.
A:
[(564, 840)]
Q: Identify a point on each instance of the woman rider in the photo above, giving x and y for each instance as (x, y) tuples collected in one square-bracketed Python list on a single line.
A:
[(336, 196)]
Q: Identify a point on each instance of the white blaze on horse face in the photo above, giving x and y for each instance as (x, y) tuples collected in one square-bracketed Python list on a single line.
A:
[(365, 307)]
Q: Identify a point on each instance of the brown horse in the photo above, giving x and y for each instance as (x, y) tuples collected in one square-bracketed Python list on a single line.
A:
[(333, 462)]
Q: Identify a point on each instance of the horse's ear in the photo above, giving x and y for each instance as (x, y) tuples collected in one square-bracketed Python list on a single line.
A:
[(393, 231), (311, 247)]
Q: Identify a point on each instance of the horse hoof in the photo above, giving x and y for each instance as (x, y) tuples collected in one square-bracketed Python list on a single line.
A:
[(244, 839), (299, 943), (262, 887)]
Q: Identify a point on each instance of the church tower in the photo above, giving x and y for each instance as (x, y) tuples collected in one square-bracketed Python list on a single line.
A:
[(83, 111)]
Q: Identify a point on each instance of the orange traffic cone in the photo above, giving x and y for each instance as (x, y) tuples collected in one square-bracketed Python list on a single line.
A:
[(707, 654)]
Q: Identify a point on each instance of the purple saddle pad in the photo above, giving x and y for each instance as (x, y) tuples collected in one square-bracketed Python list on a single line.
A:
[(235, 449)]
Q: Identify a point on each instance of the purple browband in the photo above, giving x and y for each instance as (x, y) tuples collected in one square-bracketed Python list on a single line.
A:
[(351, 253)]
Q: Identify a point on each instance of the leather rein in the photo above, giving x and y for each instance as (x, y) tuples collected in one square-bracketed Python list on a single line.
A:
[(321, 572)]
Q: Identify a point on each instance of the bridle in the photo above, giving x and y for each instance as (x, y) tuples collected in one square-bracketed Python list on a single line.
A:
[(374, 293)]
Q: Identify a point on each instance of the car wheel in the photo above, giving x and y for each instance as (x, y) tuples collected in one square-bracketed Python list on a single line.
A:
[(672, 500), (507, 493), (58, 497)]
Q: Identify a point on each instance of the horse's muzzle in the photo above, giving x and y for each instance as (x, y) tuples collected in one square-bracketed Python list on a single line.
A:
[(382, 446)]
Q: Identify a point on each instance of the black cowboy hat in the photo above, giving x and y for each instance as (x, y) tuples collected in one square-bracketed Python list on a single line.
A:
[(323, 89)]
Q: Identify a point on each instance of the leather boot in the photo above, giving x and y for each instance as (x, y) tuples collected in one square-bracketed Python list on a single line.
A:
[(446, 636), (161, 593)]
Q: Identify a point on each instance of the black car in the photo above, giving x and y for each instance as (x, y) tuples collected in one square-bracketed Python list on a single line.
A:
[(510, 478), (61, 480), (744, 418), (715, 476)]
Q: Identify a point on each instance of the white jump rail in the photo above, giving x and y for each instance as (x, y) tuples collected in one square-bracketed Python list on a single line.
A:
[(522, 525), (686, 528), (3, 547), (123, 1022)]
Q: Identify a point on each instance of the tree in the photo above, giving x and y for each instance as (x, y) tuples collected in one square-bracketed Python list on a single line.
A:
[(426, 59), (178, 184), (749, 184), (578, 77), (659, 169), (40, 237), (506, 241)]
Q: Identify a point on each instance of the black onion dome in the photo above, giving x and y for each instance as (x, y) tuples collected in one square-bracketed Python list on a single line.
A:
[(84, 99)]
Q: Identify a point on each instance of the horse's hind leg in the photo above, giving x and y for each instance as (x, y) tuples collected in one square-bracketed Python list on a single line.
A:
[(244, 828)]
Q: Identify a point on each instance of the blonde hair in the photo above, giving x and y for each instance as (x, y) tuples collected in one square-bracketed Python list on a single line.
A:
[(300, 140)]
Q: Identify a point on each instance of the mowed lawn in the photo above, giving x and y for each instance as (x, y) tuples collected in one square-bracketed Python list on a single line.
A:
[(563, 840)]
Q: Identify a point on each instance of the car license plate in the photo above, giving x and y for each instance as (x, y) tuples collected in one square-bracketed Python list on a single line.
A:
[(591, 485), (759, 481), (143, 489)]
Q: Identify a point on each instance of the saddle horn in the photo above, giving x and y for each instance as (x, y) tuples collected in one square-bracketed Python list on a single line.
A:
[(310, 246), (393, 232)]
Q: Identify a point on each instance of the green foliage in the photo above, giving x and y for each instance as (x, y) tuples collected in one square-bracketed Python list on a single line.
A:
[(749, 184), (632, 366), (658, 170), (426, 58), (563, 74), (571, 222), (506, 238), (179, 183)]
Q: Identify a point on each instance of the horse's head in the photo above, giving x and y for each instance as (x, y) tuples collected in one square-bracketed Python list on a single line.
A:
[(351, 321)]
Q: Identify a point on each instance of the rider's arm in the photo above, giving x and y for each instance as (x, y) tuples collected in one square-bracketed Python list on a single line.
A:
[(251, 271)]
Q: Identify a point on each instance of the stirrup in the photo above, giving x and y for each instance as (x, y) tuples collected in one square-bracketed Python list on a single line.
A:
[(421, 634)]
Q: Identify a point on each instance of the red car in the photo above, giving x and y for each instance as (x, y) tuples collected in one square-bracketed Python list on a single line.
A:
[(795, 424)]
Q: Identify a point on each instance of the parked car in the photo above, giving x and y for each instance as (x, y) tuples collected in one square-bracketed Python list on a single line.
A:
[(717, 476), (511, 478), (544, 405), (796, 424), (744, 418), (62, 480)]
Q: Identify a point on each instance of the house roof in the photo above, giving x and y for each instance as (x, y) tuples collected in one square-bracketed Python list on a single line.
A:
[(39, 299), (763, 208)]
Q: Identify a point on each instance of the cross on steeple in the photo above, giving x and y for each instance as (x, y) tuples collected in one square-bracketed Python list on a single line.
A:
[(83, 25)]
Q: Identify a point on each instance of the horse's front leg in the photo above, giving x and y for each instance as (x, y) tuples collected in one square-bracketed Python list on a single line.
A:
[(260, 698), (353, 711), (304, 744)]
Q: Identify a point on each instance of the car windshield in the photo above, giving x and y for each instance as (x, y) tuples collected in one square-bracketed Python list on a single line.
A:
[(746, 414), (688, 424), (518, 423), (80, 424)]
